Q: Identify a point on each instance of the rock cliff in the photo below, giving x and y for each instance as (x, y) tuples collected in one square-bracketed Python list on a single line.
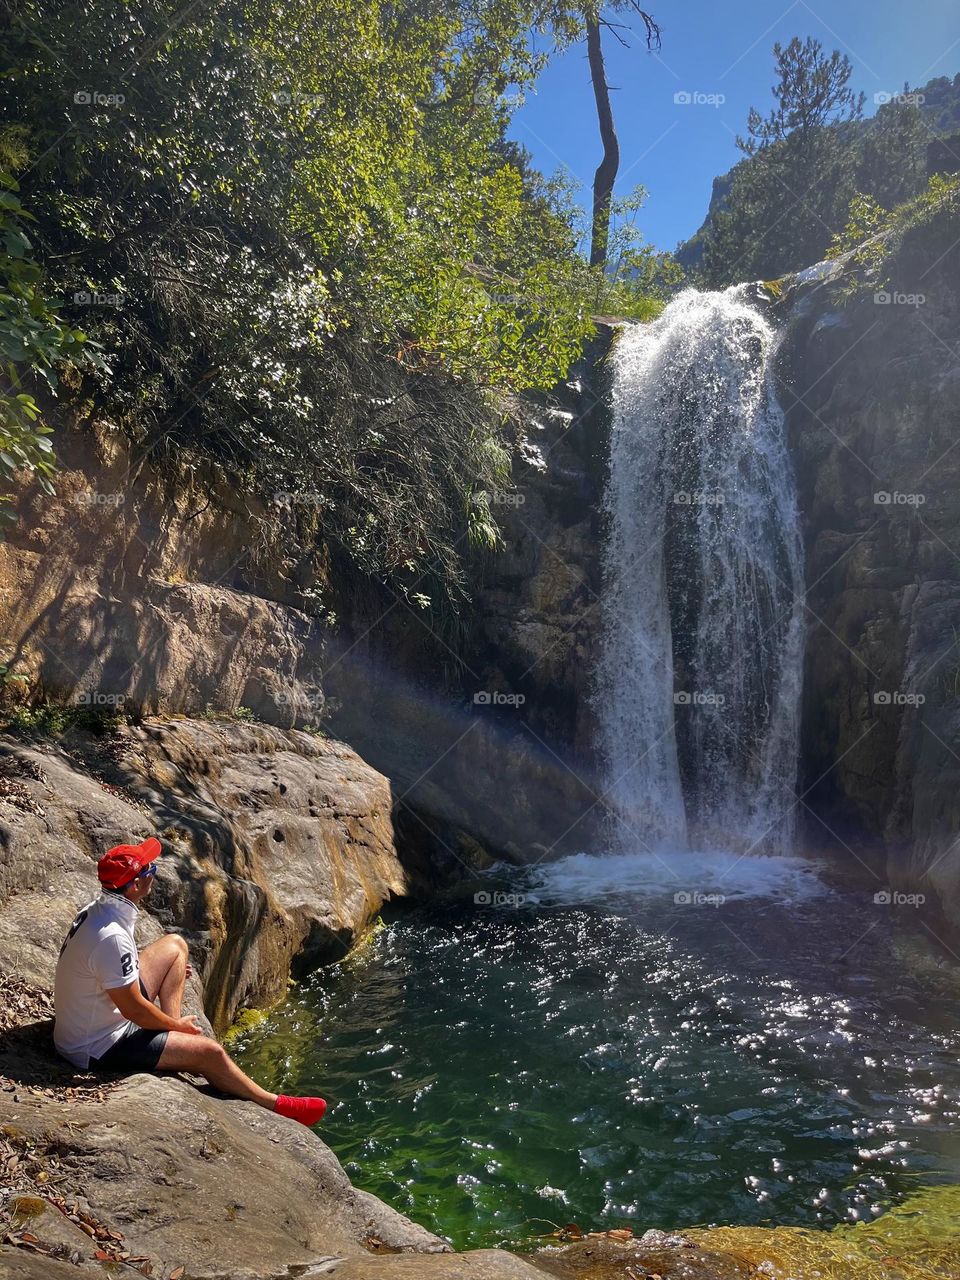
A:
[(871, 385), (486, 729), (153, 589)]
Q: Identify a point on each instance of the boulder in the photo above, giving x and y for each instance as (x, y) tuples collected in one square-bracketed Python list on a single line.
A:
[(280, 848)]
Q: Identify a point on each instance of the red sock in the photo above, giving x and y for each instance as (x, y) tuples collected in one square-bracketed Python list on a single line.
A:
[(307, 1110)]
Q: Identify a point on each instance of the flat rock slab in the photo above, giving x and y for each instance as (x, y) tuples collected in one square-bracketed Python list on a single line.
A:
[(481, 1264), (224, 1187)]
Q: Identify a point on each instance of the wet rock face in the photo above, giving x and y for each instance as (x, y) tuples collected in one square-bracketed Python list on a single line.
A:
[(280, 848), (487, 734), (872, 392)]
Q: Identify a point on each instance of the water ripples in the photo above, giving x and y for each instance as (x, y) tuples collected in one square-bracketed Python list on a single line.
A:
[(580, 1063)]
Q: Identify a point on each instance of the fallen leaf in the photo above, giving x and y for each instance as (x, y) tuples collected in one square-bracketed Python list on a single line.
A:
[(177, 1273)]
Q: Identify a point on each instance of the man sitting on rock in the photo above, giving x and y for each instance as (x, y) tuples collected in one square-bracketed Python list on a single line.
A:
[(105, 993)]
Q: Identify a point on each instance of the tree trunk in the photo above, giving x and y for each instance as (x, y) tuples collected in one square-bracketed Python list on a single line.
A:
[(606, 174)]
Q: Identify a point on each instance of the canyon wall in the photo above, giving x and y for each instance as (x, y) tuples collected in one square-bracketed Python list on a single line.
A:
[(871, 386)]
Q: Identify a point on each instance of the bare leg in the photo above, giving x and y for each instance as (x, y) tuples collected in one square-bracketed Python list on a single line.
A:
[(163, 968), (204, 1057)]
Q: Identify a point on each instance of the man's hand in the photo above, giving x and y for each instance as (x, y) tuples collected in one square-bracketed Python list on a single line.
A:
[(188, 1025), (132, 1004)]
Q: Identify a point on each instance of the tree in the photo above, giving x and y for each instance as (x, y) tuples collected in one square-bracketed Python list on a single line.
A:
[(606, 174), (892, 165), (34, 345), (812, 91), (267, 212), (790, 195)]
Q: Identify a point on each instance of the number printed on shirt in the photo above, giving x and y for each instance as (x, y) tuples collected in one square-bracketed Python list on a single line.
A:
[(73, 928)]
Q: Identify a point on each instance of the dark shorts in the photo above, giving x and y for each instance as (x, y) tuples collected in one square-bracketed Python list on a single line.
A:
[(137, 1049)]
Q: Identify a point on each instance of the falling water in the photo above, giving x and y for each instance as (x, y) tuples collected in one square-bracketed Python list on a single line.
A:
[(699, 680)]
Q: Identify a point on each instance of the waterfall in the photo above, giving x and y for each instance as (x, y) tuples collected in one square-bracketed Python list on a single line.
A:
[(698, 687)]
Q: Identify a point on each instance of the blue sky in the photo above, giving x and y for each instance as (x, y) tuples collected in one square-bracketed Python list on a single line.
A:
[(675, 150)]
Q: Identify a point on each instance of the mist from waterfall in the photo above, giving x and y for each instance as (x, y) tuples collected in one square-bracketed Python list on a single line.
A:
[(698, 686)]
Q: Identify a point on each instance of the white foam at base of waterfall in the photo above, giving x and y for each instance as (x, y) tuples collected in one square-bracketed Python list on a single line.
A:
[(695, 879)]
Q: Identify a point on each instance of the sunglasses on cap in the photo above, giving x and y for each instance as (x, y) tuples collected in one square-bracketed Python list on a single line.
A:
[(148, 872)]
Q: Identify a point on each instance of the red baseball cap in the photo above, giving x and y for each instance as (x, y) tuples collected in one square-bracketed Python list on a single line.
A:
[(124, 862)]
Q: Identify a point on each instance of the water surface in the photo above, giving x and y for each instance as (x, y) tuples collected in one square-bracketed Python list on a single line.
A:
[(635, 1041)]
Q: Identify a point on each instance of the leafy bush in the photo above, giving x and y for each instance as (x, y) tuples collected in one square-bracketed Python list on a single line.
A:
[(310, 254), (874, 237), (34, 343), (53, 720)]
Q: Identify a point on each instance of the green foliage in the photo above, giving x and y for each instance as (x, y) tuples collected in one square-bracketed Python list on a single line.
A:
[(798, 178), (941, 104), (780, 207), (866, 219), (53, 720), (245, 715), (34, 342), (310, 254), (874, 237), (891, 165), (10, 679), (811, 93), (637, 279)]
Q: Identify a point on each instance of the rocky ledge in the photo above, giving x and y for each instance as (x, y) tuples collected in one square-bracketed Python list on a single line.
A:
[(280, 850), (279, 847)]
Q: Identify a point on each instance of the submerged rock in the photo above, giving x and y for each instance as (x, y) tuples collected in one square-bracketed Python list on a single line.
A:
[(656, 1253)]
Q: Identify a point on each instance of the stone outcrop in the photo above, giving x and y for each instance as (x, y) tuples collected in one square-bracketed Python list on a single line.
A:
[(872, 392), (151, 588), (280, 847)]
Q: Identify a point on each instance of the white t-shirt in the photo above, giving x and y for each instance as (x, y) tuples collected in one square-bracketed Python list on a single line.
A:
[(98, 954)]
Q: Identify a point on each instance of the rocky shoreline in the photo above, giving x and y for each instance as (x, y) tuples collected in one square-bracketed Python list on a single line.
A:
[(280, 851)]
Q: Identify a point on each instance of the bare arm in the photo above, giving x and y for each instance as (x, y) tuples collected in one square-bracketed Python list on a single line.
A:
[(132, 1003)]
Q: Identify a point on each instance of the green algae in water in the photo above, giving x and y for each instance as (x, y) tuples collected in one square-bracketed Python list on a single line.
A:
[(635, 1066), (245, 1022), (917, 1240)]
